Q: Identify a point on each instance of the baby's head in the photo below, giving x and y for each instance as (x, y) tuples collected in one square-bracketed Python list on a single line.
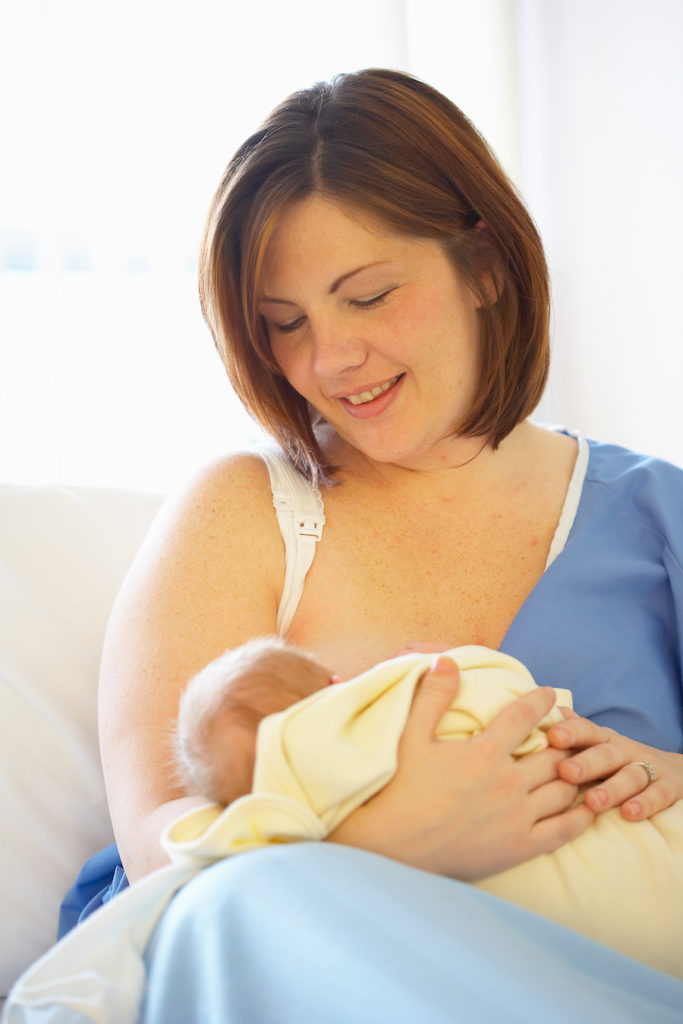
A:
[(222, 706)]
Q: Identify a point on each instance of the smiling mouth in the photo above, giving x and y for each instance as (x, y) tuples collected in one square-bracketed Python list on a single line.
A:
[(368, 396)]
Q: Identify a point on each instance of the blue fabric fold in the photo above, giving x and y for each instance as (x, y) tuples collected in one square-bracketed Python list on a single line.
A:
[(100, 879)]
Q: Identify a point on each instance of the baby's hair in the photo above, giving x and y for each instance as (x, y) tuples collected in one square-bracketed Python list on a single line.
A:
[(238, 682)]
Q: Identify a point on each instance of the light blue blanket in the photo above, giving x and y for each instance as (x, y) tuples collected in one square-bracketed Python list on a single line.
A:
[(331, 935)]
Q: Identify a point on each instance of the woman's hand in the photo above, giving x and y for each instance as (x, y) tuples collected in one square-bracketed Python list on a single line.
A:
[(468, 808), (603, 755)]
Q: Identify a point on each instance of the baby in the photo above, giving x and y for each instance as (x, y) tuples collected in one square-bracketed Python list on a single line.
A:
[(221, 708), (262, 733)]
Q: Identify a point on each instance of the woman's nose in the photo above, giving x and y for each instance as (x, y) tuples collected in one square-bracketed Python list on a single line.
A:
[(337, 349)]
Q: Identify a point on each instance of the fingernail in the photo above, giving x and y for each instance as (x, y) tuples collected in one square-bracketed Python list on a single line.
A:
[(599, 797), (442, 666), (560, 734)]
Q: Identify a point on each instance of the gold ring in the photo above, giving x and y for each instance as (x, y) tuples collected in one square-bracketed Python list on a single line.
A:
[(650, 769)]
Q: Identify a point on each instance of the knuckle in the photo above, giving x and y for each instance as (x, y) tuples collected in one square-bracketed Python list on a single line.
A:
[(611, 757), (666, 790), (512, 790), (437, 686), (572, 825), (443, 684), (567, 793), (556, 757), (524, 715), (509, 791), (490, 746)]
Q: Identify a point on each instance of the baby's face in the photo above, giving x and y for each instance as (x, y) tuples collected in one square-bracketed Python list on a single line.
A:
[(231, 743)]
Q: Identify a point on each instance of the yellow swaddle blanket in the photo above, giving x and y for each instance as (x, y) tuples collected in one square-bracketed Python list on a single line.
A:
[(620, 882)]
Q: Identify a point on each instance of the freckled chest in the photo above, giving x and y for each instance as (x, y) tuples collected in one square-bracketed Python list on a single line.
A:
[(388, 572)]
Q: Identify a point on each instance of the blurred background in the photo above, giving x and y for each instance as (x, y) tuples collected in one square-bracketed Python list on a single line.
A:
[(118, 116)]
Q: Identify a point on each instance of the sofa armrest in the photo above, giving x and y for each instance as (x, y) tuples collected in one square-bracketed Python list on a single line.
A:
[(63, 554)]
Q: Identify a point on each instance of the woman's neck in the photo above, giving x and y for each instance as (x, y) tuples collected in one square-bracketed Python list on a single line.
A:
[(462, 464)]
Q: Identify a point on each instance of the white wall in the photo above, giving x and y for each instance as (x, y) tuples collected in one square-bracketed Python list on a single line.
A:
[(118, 117), (124, 112), (601, 89)]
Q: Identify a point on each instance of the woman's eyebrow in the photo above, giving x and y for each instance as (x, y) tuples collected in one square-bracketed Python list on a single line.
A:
[(352, 273), (333, 287)]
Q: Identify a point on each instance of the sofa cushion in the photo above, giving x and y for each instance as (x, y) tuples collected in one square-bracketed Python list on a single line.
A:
[(63, 554)]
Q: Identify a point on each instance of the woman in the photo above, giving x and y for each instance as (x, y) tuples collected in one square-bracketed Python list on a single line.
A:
[(378, 294)]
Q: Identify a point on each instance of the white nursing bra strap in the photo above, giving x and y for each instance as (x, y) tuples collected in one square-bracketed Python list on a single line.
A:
[(301, 517)]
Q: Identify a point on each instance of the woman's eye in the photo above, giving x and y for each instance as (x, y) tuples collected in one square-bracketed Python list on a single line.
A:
[(376, 300), (289, 327)]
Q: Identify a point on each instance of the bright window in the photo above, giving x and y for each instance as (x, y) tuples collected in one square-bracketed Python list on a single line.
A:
[(123, 114)]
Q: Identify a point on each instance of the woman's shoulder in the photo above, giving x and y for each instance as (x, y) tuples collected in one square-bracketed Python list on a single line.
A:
[(640, 486), (214, 552), (234, 469), (631, 472), (222, 510), (223, 485)]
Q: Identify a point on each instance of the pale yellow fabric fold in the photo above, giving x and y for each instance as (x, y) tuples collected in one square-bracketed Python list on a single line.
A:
[(320, 759)]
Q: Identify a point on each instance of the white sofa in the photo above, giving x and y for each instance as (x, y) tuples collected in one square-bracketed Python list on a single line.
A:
[(63, 554)]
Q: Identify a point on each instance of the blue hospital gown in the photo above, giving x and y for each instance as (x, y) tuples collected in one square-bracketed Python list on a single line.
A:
[(604, 621)]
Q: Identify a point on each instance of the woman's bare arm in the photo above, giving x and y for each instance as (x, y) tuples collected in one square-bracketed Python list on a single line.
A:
[(208, 578)]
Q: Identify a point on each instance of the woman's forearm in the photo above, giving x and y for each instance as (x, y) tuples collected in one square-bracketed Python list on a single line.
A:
[(145, 854)]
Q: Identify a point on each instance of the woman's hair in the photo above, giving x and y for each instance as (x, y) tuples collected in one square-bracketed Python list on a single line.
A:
[(386, 144)]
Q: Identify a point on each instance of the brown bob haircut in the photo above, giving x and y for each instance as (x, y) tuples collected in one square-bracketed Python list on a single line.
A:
[(391, 147)]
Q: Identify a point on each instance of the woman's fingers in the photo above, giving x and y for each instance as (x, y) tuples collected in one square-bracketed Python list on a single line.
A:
[(437, 690), (542, 767), (512, 725), (552, 798), (631, 789), (577, 732), (552, 832), (613, 761), (624, 784), (651, 799), (434, 695), (598, 762), (609, 767)]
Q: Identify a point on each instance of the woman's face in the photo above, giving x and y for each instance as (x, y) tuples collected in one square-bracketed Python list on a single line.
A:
[(375, 329)]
